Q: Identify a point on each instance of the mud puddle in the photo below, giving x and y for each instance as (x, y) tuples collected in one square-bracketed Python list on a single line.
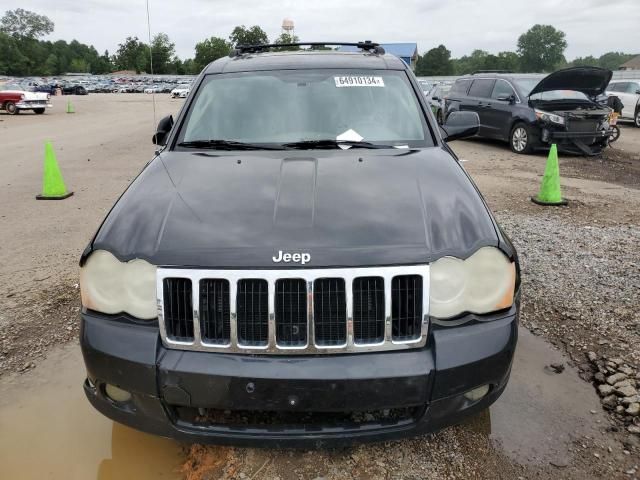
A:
[(48, 430), (541, 413)]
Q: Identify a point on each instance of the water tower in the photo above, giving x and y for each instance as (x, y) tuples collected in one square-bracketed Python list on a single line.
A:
[(287, 27)]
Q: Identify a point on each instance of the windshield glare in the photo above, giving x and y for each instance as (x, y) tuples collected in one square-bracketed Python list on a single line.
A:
[(279, 107), (527, 84)]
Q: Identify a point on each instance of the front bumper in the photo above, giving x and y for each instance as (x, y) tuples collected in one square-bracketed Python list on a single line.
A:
[(582, 143), (431, 381), (31, 106)]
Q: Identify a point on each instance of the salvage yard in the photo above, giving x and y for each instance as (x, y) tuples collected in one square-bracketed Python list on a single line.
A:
[(571, 409)]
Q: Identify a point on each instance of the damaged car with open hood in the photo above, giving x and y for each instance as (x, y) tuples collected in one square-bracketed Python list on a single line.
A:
[(534, 111), (303, 263)]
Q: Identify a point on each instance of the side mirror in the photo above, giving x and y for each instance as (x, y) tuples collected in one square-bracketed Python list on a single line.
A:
[(638, 92), (461, 125), (164, 127)]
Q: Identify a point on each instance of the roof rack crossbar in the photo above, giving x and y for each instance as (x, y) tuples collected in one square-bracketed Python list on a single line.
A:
[(367, 45), (491, 71)]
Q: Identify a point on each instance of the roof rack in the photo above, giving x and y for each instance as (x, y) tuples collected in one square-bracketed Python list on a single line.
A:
[(367, 45), (491, 71)]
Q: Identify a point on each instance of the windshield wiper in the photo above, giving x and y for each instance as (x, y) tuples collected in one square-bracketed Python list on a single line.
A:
[(330, 143), (227, 145)]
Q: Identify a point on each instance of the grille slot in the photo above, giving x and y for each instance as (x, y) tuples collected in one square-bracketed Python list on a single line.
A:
[(215, 322), (291, 312), (406, 307), (330, 311), (252, 304), (368, 310), (178, 309)]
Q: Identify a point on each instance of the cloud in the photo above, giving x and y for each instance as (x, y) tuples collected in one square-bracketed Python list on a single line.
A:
[(592, 26)]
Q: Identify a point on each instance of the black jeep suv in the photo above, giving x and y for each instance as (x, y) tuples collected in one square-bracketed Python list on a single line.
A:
[(303, 263), (534, 111)]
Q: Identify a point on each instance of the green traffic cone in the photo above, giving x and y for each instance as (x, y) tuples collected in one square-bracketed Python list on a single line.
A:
[(550, 193), (70, 108), (53, 187)]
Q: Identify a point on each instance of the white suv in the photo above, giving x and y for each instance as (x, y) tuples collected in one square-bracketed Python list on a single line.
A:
[(629, 93)]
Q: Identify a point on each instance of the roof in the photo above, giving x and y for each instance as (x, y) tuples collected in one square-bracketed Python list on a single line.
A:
[(406, 50), (305, 59), (633, 64)]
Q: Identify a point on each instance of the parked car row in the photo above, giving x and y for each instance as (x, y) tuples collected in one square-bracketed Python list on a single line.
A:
[(83, 85)]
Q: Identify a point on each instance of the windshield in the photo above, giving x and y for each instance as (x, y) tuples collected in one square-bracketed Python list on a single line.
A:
[(527, 84), (278, 107)]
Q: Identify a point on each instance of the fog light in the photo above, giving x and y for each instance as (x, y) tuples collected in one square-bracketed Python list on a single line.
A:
[(477, 393), (117, 394)]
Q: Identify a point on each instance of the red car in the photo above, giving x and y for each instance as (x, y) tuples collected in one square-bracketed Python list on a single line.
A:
[(12, 101)]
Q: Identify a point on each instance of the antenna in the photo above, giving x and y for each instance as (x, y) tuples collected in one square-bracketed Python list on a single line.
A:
[(153, 90)]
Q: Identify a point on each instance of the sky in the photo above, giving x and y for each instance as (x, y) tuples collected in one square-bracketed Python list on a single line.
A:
[(592, 27)]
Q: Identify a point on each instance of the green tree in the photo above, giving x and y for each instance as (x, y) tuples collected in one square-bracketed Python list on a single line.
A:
[(287, 38), (436, 61), (79, 65), (589, 60), (132, 55), (12, 60), (21, 23), (163, 51), (541, 48), (242, 35), (209, 50), (613, 60), (52, 65)]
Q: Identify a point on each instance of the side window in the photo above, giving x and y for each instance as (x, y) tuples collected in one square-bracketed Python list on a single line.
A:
[(481, 88), (632, 87), (618, 87), (460, 88), (502, 89)]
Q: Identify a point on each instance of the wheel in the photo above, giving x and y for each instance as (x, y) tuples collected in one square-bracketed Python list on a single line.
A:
[(521, 139), (440, 117), (11, 108), (636, 119), (615, 133), (39, 111)]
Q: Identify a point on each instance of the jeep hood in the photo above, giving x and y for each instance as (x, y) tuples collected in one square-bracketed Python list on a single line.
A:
[(344, 208), (592, 81)]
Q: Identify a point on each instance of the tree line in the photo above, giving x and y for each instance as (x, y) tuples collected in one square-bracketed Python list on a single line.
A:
[(540, 49)]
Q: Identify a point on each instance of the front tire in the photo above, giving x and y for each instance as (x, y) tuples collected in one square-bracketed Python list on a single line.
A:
[(521, 139), (11, 108), (636, 119), (38, 111)]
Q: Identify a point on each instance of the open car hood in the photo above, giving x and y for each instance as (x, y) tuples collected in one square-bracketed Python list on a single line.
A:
[(591, 81)]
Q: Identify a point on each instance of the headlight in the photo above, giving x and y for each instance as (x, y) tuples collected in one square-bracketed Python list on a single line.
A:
[(549, 117), (483, 283), (110, 286)]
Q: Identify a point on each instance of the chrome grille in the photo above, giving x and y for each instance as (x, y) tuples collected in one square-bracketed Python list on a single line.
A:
[(299, 311)]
